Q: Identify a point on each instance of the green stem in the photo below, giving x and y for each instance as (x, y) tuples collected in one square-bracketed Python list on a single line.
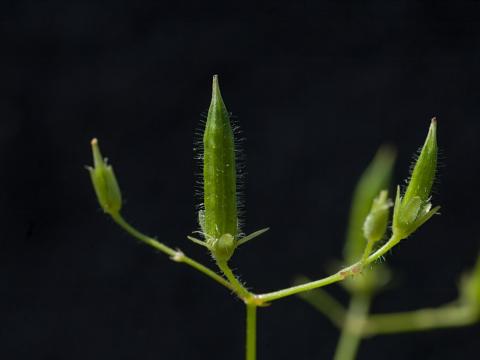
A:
[(350, 337), (175, 255), (236, 285), (420, 320), (368, 250), (339, 276), (233, 283), (251, 335)]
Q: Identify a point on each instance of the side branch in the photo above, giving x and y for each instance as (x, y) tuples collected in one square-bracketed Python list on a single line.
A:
[(420, 320), (175, 255), (339, 276)]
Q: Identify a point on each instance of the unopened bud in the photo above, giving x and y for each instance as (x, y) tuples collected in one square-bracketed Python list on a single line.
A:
[(375, 224), (104, 182)]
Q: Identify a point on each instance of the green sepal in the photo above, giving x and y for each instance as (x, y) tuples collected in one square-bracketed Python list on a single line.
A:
[(198, 241), (223, 248), (253, 235), (426, 215), (410, 210)]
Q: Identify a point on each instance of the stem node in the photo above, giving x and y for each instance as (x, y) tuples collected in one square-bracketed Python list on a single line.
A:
[(179, 256)]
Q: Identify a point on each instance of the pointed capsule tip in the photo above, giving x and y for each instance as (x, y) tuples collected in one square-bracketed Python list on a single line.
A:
[(433, 124), (432, 131), (97, 155), (215, 86)]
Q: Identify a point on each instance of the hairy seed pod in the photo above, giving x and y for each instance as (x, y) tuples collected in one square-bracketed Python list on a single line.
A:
[(423, 173), (219, 171), (414, 208)]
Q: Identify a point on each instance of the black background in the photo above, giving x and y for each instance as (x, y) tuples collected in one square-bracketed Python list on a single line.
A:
[(316, 88)]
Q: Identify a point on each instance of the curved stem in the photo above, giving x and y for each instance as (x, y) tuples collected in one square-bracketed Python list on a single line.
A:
[(350, 337), (420, 320), (232, 283), (175, 255), (251, 335), (236, 285), (340, 275), (446, 316)]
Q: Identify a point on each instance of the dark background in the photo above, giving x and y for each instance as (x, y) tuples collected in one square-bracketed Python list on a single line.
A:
[(316, 88)]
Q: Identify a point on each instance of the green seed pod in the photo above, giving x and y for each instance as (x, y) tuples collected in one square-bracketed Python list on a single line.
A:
[(423, 173), (104, 182), (218, 219), (414, 208), (375, 224), (219, 173)]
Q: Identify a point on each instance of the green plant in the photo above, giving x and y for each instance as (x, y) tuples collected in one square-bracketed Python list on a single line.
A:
[(221, 234), (367, 226)]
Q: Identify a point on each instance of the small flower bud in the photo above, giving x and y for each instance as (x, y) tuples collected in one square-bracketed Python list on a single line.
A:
[(375, 178), (414, 208), (104, 182), (219, 215), (375, 224)]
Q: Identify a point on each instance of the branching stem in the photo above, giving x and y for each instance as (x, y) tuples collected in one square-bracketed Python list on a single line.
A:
[(420, 320), (234, 284), (339, 276), (350, 337), (454, 314), (175, 255)]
